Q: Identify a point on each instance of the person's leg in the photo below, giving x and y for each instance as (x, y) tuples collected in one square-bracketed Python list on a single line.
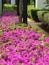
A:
[(9, 1), (17, 7), (2, 4), (24, 11)]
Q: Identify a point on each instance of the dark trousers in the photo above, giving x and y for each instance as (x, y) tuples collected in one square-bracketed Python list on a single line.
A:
[(24, 11), (17, 2), (24, 14)]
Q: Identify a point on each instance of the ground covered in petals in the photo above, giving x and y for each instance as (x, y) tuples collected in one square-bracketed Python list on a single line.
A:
[(22, 46), (8, 20)]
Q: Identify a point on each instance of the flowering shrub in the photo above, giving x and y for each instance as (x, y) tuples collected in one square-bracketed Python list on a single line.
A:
[(23, 47), (8, 20)]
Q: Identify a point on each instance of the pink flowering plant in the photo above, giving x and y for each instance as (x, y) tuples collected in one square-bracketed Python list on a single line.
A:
[(8, 20), (22, 46)]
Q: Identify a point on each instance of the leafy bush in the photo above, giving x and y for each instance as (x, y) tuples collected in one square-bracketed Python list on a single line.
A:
[(32, 12), (8, 7), (29, 10), (43, 16), (46, 17), (40, 16)]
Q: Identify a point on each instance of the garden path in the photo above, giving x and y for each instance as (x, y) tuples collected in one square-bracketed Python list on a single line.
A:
[(36, 26)]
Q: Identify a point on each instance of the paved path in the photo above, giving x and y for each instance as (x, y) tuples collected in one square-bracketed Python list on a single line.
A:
[(36, 25)]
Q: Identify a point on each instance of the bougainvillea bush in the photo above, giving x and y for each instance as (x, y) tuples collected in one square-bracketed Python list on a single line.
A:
[(8, 20), (23, 46)]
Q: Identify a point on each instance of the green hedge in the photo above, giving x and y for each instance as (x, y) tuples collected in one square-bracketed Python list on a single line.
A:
[(38, 14), (43, 16), (8, 7), (32, 12), (46, 17)]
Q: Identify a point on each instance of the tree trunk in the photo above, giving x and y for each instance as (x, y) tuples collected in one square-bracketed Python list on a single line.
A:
[(20, 10)]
